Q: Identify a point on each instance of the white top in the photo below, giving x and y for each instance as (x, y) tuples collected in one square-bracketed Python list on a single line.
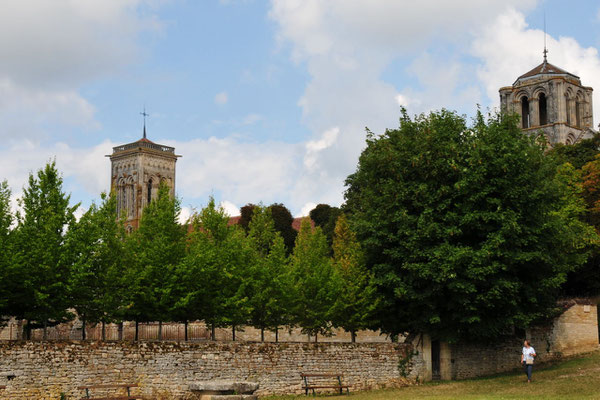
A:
[(527, 353)]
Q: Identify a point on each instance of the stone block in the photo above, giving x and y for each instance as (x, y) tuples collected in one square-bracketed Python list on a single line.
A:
[(230, 387)]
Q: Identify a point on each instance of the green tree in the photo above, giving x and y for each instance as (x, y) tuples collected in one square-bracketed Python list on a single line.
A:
[(282, 217), (153, 252), (356, 300), (577, 154), (96, 243), (325, 217), (211, 277), (41, 267), (246, 216), (314, 287), (6, 221), (468, 231), (268, 283)]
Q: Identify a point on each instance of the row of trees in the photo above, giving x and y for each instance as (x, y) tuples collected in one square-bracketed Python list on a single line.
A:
[(54, 267), (461, 231)]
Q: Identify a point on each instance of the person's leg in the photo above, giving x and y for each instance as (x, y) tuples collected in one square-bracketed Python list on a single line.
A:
[(529, 368)]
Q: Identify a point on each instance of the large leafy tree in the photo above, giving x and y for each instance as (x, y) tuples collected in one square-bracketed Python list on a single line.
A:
[(96, 243), (314, 287), (468, 231), (40, 265), (212, 277), (269, 277), (6, 220), (153, 252), (356, 300)]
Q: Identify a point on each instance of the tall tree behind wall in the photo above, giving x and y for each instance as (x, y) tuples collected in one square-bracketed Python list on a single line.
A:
[(153, 252), (96, 243), (6, 220), (41, 267)]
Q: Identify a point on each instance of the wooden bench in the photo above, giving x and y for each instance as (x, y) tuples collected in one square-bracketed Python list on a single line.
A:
[(321, 385), (124, 396)]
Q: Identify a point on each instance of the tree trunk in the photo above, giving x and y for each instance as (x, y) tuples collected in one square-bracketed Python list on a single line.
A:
[(262, 334), (353, 335), (316, 334), (103, 331), (45, 334), (276, 335), (212, 332), (233, 333), (120, 330), (159, 330), (83, 336), (137, 330), (185, 328)]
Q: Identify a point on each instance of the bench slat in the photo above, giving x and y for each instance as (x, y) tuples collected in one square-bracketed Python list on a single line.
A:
[(321, 375), (326, 386)]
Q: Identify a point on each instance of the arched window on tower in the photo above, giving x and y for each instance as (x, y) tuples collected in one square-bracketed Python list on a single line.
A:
[(543, 109), (525, 112), (568, 108), (577, 113), (149, 191)]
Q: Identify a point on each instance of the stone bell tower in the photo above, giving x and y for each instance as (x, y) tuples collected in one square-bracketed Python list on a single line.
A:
[(137, 170), (552, 101)]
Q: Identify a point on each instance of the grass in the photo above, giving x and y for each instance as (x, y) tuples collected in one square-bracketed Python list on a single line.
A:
[(574, 379)]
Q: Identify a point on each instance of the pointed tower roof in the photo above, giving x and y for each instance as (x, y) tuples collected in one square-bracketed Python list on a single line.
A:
[(545, 68)]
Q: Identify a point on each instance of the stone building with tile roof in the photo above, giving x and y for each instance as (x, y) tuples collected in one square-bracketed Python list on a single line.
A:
[(552, 102)]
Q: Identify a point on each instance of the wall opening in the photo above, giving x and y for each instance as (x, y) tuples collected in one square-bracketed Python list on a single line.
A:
[(578, 114), (149, 191), (435, 360), (543, 110), (568, 107), (525, 112)]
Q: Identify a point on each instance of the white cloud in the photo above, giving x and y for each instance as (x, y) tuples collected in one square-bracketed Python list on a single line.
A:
[(186, 213), (231, 209), (347, 46), (313, 147), (306, 209), (51, 48), (221, 98)]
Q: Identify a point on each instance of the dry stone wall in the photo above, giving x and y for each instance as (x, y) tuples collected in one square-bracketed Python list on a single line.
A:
[(164, 370)]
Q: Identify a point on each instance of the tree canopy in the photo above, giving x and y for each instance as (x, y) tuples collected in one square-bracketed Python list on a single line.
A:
[(469, 231)]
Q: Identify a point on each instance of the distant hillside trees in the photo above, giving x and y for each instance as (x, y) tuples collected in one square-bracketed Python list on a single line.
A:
[(468, 231)]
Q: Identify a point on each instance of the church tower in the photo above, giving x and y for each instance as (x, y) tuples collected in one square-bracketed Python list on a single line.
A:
[(553, 101), (137, 170)]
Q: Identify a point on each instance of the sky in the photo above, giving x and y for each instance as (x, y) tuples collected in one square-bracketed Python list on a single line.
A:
[(266, 101)]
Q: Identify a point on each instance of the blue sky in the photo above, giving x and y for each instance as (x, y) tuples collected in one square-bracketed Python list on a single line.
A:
[(265, 100)]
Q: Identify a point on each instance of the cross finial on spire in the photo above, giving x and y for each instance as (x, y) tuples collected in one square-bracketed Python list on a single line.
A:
[(545, 48), (145, 115)]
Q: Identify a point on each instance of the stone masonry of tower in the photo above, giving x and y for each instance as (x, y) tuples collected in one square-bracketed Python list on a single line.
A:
[(137, 170), (553, 101)]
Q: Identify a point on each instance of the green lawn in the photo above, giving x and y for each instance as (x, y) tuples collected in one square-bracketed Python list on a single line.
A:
[(573, 379)]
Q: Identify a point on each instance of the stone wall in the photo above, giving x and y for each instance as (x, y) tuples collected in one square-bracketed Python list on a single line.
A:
[(44, 370), (197, 331), (573, 332)]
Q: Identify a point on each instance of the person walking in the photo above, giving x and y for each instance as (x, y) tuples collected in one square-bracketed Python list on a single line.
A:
[(527, 357)]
